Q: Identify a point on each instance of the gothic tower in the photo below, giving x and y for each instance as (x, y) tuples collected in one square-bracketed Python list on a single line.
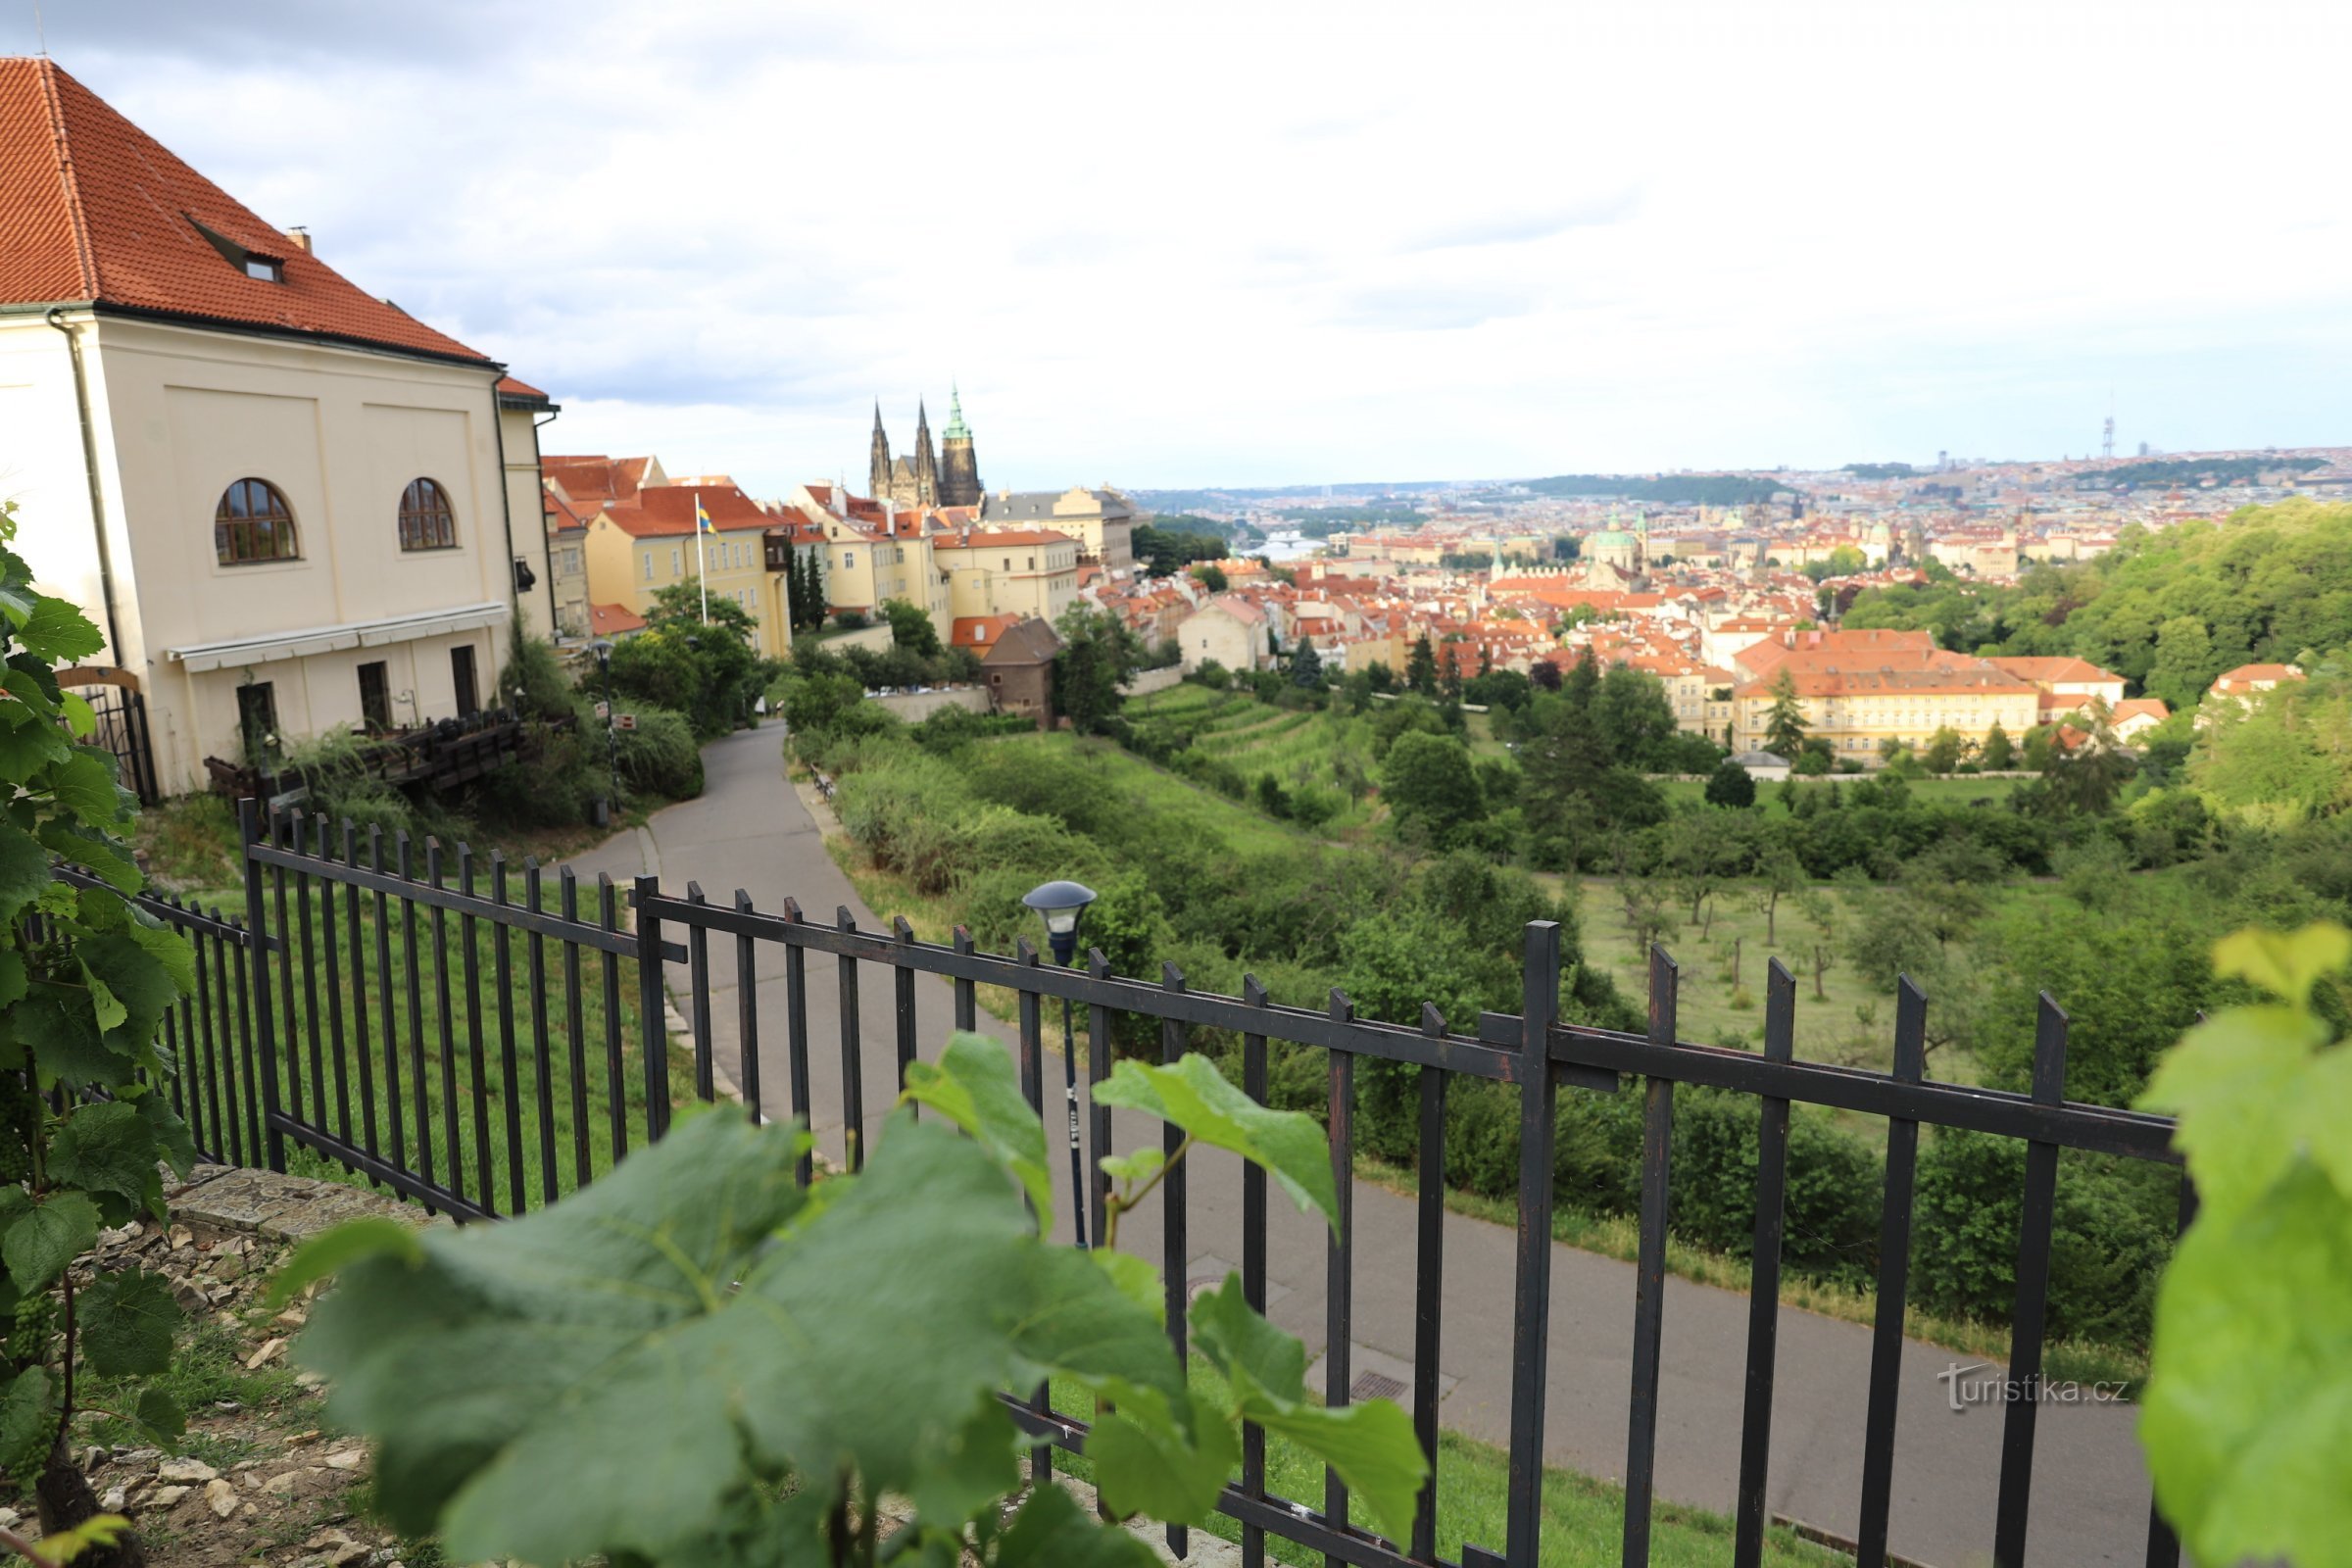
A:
[(927, 466), (959, 468), (877, 468)]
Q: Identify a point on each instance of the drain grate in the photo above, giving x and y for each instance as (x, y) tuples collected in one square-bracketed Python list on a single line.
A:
[(1375, 1386)]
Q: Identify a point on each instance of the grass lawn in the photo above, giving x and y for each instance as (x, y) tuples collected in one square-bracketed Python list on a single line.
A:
[(1295, 746), (1583, 1518)]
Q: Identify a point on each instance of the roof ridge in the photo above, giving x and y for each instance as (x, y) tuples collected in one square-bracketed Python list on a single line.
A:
[(84, 256)]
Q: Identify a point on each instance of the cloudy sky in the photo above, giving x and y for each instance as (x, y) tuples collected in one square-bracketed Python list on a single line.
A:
[(1258, 242)]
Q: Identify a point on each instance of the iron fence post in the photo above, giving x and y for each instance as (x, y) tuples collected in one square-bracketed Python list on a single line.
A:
[(653, 1026), (1531, 1304), (264, 1033)]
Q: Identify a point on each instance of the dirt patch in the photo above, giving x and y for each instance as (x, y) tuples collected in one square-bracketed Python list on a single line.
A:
[(258, 1478)]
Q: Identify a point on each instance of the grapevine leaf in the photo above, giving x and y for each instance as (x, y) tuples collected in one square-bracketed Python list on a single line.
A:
[(85, 784), (330, 1253), (1136, 1279), (175, 953), (1147, 1466), (28, 743), (136, 978), (58, 632), (38, 1246), (27, 1422), (2226, 1080), (80, 717), (1052, 1531), (108, 1151), (1141, 1165), (1193, 1094), (2248, 1413), (2286, 963), (975, 1087), (160, 1413), (13, 976), (23, 867), (980, 1464), (62, 1029), (94, 852), (174, 1142), (126, 1321), (62, 1546), (1370, 1445)]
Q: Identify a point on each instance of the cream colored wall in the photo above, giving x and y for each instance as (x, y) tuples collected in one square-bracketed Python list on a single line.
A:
[(542, 607), (1041, 579), (180, 413), (737, 571), (1213, 634), (1855, 725)]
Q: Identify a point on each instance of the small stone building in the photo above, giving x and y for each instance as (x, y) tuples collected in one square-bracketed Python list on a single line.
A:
[(1020, 671)]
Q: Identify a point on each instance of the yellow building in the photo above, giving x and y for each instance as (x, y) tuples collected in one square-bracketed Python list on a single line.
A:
[(1027, 571), (1101, 521), (289, 505), (1859, 690), (638, 547)]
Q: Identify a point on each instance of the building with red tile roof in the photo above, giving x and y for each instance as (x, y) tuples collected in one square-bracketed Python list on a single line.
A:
[(290, 504)]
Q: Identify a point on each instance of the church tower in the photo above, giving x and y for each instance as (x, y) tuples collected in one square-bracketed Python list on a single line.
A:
[(877, 468), (927, 466), (959, 468)]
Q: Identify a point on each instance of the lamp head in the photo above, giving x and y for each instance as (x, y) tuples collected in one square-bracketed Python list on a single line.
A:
[(1062, 905)]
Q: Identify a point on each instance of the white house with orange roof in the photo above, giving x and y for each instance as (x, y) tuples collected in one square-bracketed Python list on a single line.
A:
[(1019, 572), (288, 504)]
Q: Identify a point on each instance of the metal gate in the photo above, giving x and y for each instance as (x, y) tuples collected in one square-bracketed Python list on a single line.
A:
[(121, 708)]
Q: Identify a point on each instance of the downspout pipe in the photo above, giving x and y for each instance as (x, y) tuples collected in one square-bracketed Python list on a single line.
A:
[(89, 468)]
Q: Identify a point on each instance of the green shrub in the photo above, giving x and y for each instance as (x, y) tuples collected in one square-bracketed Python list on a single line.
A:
[(661, 756), (2110, 1237)]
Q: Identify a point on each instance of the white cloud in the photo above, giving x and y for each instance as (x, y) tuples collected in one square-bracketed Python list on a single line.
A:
[(1283, 242)]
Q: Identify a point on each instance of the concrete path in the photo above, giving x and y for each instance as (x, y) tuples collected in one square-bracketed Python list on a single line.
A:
[(751, 830)]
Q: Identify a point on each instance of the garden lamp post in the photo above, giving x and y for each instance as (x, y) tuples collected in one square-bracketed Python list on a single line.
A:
[(1063, 906), (604, 662)]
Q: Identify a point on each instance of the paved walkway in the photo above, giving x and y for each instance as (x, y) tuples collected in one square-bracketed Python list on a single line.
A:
[(751, 830)]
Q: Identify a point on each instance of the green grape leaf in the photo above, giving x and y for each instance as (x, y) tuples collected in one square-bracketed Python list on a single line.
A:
[(108, 1151), (15, 981), (174, 1145), (330, 1253), (1191, 1093), (1145, 1466), (94, 852), (27, 1422), (28, 743), (126, 1321), (161, 1414), (975, 1086), (2225, 1081), (1052, 1531), (80, 717), (1142, 1165), (24, 865), (85, 784), (2286, 963), (58, 633), (62, 1546), (61, 1027), (1136, 1280), (2247, 1414), (1370, 1445), (602, 1376), (978, 1465), (39, 1244), (166, 947)]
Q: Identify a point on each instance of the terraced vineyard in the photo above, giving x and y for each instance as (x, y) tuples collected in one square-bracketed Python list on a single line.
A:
[(1228, 741)]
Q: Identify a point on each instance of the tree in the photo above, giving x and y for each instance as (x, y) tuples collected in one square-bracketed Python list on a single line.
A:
[(1211, 576), (1098, 655), (2087, 776), (1999, 753), (703, 668), (1306, 666), (87, 982), (1635, 717), (911, 627), (1820, 908), (1778, 873), (1784, 721), (1730, 785), (2184, 664), (1429, 785), (1421, 668), (1945, 750)]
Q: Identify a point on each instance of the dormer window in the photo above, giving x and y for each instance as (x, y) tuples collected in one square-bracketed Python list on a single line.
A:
[(261, 266)]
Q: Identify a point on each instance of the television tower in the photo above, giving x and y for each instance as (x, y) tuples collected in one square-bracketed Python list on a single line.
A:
[(2107, 440)]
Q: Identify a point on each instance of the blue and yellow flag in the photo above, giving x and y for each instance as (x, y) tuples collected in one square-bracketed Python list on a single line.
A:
[(702, 518)]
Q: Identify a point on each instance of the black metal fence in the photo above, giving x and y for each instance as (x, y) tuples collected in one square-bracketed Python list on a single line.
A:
[(482, 1040)]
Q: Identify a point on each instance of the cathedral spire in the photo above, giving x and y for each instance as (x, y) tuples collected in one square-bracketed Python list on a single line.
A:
[(926, 464), (877, 479)]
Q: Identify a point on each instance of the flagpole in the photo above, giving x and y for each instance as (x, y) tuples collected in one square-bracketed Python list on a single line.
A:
[(701, 558)]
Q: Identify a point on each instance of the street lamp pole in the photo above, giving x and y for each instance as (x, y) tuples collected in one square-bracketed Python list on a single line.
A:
[(604, 662), (1063, 906)]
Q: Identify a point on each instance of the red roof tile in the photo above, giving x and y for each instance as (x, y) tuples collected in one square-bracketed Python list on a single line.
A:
[(613, 621), (669, 510), (94, 210)]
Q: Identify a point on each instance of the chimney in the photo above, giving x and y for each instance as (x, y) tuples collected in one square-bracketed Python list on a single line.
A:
[(301, 237)]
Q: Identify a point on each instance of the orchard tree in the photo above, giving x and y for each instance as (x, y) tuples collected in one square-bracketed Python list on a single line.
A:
[(1730, 785), (1429, 785)]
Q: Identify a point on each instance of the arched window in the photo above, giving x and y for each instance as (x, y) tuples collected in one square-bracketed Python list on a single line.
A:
[(426, 521), (253, 523)]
